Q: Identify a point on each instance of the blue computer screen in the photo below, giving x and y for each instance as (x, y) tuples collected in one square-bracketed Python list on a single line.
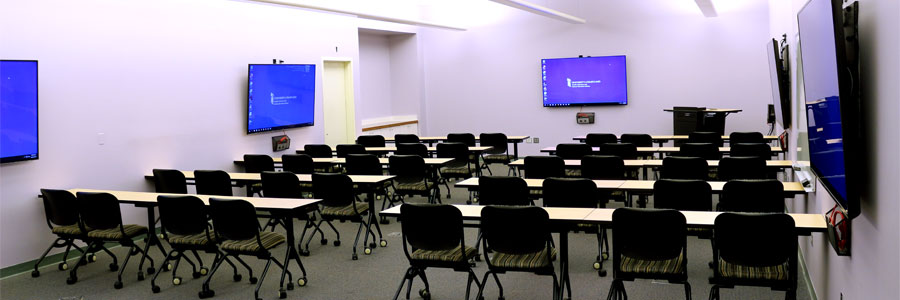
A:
[(584, 81), (280, 96), (18, 110)]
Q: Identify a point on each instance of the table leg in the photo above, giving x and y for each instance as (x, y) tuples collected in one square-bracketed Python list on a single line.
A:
[(373, 217), (515, 150), (291, 253), (564, 265), (477, 164), (151, 240)]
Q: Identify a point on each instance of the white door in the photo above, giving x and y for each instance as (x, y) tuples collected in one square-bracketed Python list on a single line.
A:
[(338, 97)]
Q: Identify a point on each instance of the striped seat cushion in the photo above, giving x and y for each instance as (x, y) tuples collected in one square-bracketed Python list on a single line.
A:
[(699, 231), (199, 239), (68, 230), (573, 172), (443, 255), (306, 185), (412, 186), (345, 211), (460, 170), (131, 230), (523, 261), (498, 158), (269, 240), (536, 192), (776, 272), (666, 266)]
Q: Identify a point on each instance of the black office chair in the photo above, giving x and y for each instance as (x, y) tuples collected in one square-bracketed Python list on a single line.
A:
[(541, 167), (213, 182), (287, 185), (573, 151), (297, 163), (100, 212), (625, 151), (499, 153), (61, 211), (406, 139), (185, 226), (705, 137), (580, 192), (739, 258), (413, 149), (745, 167), (676, 167), (746, 137), (638, 139), (747, 195), (411, 178), (466, 138), (237, 229), (598, 139), (503, 190), (603, 167), (648, 244), (369, 164), (458, 168), (169, 181), (707, 151), (345, 149), (752, 149), (370, 140), (339, 202), (684, 195), (320, 151), (257, 163), (517, 239), (433, 237)]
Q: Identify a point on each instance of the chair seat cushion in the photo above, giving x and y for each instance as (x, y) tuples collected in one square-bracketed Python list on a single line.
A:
[(776, 272), (269, 240), (131, 230), (306, 185), (345, 211), (68, 230), (444, 255), (536, 192), (460, 170), (498, 158), (573, 172), (199, 239), (413, 186), (524, 261), (642, 266)]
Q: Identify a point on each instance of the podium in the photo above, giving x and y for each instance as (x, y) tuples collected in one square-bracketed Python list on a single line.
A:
[(689, 119)]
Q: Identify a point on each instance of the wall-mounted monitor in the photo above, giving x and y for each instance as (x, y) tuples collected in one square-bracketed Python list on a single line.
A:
[(584, 81), (18, 110), (781, 89), (829, 51), (280, 96)]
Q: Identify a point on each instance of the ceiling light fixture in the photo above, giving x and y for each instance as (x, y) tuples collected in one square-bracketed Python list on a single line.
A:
[(363, 15), (707, 7), (544, 11)]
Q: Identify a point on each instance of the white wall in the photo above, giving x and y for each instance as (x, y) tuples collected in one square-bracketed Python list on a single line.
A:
[(375, 76), (164, 80), (491, 73), (391, 81)]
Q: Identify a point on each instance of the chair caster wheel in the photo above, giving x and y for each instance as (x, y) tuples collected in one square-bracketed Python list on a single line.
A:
[(501, 298), (196, 275), (253, 280), (468, 201), (167, 267), (63, 266), (151, 270), (35, 273), (140, 276), (605, 256), (72, 280), (478, 257), (425, 294), (290, 286), (367, 251), (113, 267), (160, 236), (324, 242), (596, 265), (301, 282), (92, 257), (155, 289), (602, 273), (304, 252), (282, 294), (83, 262), (237, 277), (204, 270), (336, 243), (355, 257), (117, 285), (383, 243), (372, 245), (176, 281), (206, 294)]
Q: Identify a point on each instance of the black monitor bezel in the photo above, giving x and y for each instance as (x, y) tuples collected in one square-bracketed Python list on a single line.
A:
[(37, 117), (247, 106)]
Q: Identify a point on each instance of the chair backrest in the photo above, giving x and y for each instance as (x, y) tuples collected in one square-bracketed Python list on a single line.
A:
[(573, 151), (515, 230), (412, 149), (317, 150), (502, 190), (747, 195), (623, 150), (682, 194), (60, 207), (466, 138), (570, 192), (602, 167), (498, 141), (744, 167), (541, 167), (458, 151), (676, 167), (751, 149), (182, 215), (345, 149), (334, 189), (431, 227), (363, 164), (213, 182), (746, 137), (638, 139), (281, 185), (370, 140), (169, 181), (707, 151), (705, 137), (297, 163), (258, 163), (598, 139), (234, 219), (756, 240), (648, 234), (401, 138), (407, 167), (99, 210)]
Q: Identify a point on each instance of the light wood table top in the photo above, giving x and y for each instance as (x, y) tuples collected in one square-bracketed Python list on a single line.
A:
[(538, 183), (679, 137), (151, 198), (775, 149), (657, 163), (430, 149), (341, 160), (303, 177), (631, 185), (511, 138)]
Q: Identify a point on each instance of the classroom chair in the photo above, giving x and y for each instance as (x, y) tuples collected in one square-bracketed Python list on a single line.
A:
[(677, 167), (213, 182), (499, 153), (706, 137), (541, 167), (458, 168), (580, 192), (257, 163), (752, 149), (707, 151), (466, 138), (369, 164), (752, 195), (413, 149), (742, 167), (299, 164), (320, 151), (606, 167), (573, 151), (343, 150), (169, 181), (625, 151), (684, 195), (501, 191), (287, 185), (638, 139), (745, 137), (339, 202), (61, 211), (370, 140), (401, 138), (411, 178), (598, 139)]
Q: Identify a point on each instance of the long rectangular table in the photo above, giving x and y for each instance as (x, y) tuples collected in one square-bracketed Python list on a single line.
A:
[(341, 160), (638, 186), (280, 207), (662, 139), (430, 140), (646, 164), (653, 150)]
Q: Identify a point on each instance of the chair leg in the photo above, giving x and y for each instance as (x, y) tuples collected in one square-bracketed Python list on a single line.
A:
[(687, 290), (37, 273), (791, 294), (153, 285), (356, 241), (118, 283), (483, 285), (246, 266), (499, 285), (287, 272), (471, 277), (557, 289), (262, 277), (406, 276), (205, 292), (714, 292)]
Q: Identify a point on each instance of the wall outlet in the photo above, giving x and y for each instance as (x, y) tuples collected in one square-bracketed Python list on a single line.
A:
[(101, 138), (535, 140)]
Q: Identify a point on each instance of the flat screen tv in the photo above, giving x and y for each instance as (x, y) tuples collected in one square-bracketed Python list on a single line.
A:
[(584, 81), (18, 110), (280, 96), (829, 53), (781, 90)]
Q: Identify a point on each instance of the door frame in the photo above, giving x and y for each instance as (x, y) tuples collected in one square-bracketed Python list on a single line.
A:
[(349, 99)]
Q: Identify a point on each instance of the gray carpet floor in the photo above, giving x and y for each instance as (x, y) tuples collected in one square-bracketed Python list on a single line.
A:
[(333, 275)]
